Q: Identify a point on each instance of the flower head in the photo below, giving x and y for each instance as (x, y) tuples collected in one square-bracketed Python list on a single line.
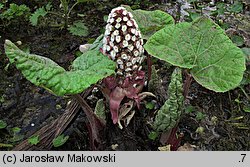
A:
[(123, 42)]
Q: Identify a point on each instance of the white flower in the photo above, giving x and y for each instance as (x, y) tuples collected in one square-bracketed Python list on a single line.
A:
[(127, 37), (113, 54), (119, 73), (118, 25), (136, 33), (116, 32), (114, 14), (107, 32), (135, 67), (104, 48), (129, 23), (128, 69), (119, 61), (129, 64), (140, 68), (130, 15), (112, 38), (138, 44), (136, 53), (134, 60), (111, 20), (124, 56), (124, 28), (108, 48), (104, 40), (121, 66), (125, 19), (118, 39), (130, 47), (141, 60), (110, 27), (111, 44), (133, 38), (118, 19), (124, 12), (125, 43), (116, 49), (141, 50), (133, 31), (139, 33)]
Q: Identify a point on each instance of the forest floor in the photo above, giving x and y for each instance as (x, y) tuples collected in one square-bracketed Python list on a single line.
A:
[(210, 121)]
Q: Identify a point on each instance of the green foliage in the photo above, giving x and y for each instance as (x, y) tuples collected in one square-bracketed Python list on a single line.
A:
[(79, 29), (203, 47), (170, 112), (150, 21), (150, 105), (199, 116), (1, 6), (238, 40), (87, 69), (2, 124), (153, 135), (237, 7), (60, 140), (40, 12), (34, 140), (15, 11)]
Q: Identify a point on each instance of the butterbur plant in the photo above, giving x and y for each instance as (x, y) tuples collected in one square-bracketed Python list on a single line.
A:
[(123, 44), (115, 61)]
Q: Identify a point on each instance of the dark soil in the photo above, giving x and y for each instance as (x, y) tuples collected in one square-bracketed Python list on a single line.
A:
[(22, 104)]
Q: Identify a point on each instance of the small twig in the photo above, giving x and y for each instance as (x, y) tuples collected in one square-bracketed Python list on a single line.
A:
[(48, 132), (96, 124)]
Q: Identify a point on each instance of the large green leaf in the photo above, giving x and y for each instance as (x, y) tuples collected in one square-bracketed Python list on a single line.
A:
[(170, 112), (87, 69), (201, 46), (150, 21)]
